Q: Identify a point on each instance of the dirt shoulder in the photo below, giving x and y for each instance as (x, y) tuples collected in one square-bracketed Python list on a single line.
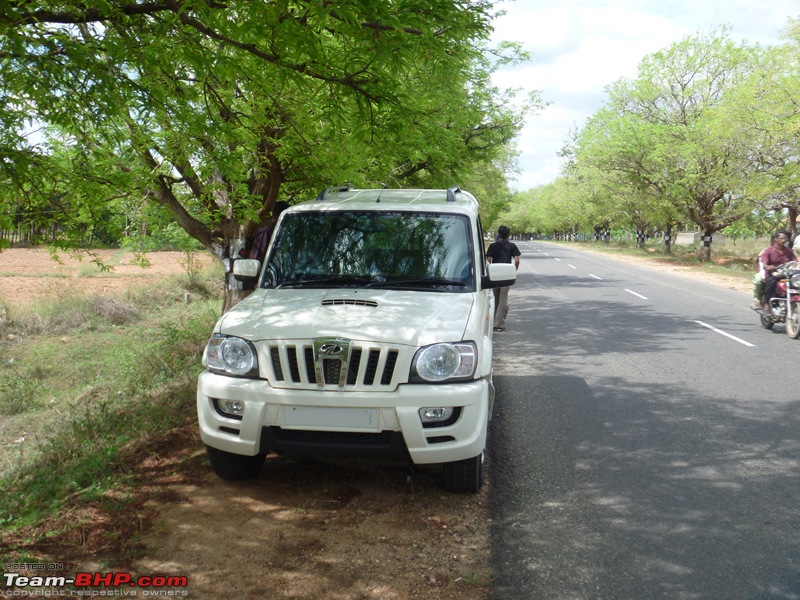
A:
[(319, 529)]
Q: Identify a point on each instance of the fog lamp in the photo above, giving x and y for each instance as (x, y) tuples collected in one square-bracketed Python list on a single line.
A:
[(233, 407), (230, 409), (434, 415)]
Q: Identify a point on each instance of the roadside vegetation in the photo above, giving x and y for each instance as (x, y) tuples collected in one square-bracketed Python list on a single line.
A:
[(735, 259), (88, 387)]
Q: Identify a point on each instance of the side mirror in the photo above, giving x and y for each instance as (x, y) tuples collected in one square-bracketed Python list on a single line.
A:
[(499, 275), (246, 269)]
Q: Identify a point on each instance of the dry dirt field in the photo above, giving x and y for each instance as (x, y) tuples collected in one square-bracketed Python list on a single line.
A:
[(30, 275), (310, 529)]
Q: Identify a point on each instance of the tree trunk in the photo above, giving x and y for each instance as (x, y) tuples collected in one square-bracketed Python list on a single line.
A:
[(640, 238), (705, 250), (668, 241), (234, 291)]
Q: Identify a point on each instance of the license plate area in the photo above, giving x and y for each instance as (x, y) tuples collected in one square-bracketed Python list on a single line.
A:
[(323, 417)]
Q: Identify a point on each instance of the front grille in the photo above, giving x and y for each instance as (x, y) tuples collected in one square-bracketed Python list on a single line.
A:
[(331, 368), (372, 367), (357, 366)]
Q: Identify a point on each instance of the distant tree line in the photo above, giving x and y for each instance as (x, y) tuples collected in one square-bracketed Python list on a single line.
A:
[(706, 138)]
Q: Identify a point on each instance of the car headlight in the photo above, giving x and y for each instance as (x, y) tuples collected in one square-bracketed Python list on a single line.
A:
[(444, 362), (231, 356)]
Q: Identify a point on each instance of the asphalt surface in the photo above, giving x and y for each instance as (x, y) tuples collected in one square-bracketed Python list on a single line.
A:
[(645, 442)]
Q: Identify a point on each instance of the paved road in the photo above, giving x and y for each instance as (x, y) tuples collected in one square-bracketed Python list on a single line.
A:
[(646, 438)]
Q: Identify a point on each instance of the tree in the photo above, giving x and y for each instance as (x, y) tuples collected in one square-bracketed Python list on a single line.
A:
[(215, 110), (663, 136), (764, 108)]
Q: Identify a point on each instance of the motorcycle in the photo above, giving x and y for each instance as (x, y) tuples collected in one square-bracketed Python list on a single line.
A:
[(784, 306)]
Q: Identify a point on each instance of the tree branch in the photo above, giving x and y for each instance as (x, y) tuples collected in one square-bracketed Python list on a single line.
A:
[(91, 15), (94, 15)]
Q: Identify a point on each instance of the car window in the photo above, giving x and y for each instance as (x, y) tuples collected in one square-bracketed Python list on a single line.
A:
[(404, 250)]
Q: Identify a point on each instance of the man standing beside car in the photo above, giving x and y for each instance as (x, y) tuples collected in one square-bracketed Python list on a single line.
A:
[(502, 251)]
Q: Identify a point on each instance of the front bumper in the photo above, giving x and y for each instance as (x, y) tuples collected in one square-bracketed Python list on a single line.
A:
[(344, 423)]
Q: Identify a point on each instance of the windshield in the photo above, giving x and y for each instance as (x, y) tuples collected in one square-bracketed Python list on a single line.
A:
[(402, 250)]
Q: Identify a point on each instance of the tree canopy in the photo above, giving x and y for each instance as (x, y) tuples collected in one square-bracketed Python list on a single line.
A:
[(215, 110)]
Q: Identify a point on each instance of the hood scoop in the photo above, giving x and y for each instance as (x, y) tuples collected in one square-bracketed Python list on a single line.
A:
[(349, 302)]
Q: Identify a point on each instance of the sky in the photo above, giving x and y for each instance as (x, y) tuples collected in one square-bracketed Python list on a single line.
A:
[(581, 46)]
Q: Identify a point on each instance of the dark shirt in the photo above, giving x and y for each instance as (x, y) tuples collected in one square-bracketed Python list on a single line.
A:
[(503, 251), (261, 240)]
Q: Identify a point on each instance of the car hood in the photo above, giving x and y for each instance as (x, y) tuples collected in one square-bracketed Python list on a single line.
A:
[(384, 316)]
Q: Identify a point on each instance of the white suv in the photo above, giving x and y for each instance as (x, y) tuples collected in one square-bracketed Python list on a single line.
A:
[(369, 335)]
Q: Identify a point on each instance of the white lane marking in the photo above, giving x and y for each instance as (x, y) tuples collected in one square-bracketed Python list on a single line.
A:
[(637, 295), (572, 266), (596, 277), (558, 259), (728, 335)]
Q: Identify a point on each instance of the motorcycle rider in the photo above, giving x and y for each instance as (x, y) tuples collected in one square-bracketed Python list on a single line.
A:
[(772, 258), (758, 278)]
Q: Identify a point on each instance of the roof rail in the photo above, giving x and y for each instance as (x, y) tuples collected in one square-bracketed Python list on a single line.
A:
[(451, 193), (337, 188)]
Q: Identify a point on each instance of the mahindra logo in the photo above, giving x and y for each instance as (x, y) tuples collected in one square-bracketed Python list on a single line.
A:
[(331, 349), (327, 351)]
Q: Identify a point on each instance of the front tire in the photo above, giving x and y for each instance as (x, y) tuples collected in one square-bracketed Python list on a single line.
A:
[(234, 467), (793, 322), (464, 475)]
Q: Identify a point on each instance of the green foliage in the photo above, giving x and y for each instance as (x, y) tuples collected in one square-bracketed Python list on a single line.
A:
[(210, 112), (757, 224), (660, 138)]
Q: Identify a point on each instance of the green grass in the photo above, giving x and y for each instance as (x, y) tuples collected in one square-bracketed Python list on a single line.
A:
[(476, 580), (85, 383)]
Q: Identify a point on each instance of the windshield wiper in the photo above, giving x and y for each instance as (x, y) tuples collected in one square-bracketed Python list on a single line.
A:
[(419, 281), (342, 280)]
